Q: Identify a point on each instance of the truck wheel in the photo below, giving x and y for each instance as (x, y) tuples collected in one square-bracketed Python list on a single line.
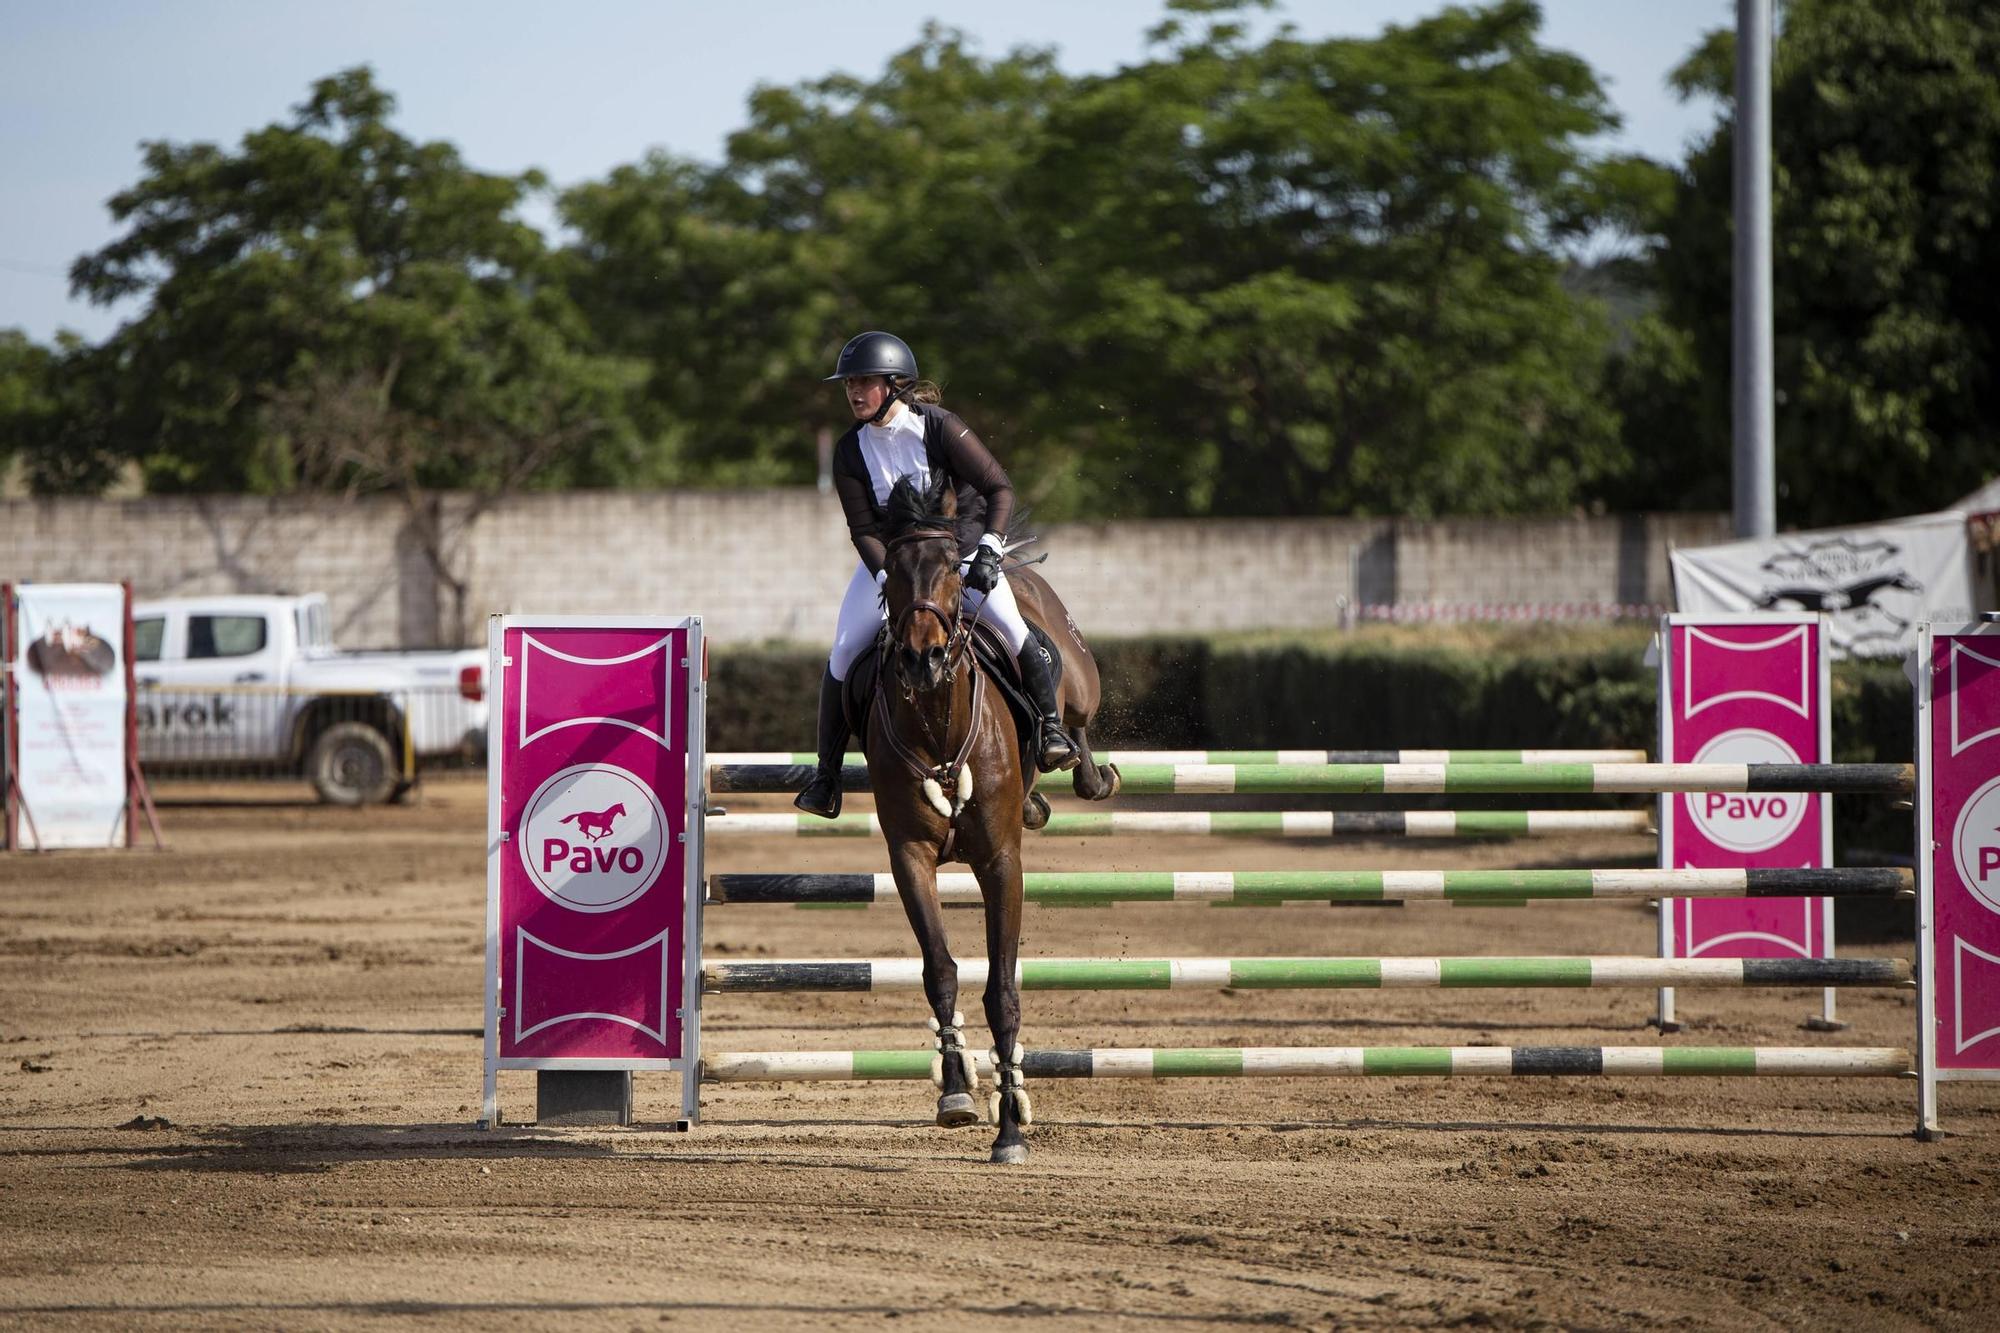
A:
[(351, 764)]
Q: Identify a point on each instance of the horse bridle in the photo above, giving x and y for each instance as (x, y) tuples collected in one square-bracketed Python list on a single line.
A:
[(957, 629), (958, 642)]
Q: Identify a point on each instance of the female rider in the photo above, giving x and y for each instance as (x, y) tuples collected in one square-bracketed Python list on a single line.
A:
[(899, 434)]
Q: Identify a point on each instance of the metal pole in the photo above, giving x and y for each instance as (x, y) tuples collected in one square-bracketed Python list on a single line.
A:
[(1755, 426)]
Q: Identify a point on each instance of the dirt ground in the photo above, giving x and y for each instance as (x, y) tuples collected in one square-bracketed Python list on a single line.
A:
[(241, 1077)]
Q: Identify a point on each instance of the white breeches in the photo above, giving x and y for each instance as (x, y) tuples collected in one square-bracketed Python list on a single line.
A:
[(861, 616)]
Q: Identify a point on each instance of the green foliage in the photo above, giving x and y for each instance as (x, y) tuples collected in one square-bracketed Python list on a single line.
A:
[(1886, 139), (1247, 274), (1371, 689), (1299, 277), (326, 260), (53, 413)]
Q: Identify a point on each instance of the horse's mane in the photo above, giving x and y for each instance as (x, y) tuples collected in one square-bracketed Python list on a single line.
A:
[(912, 507)]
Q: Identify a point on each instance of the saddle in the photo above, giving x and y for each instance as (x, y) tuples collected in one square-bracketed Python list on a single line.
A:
[(994, 661)]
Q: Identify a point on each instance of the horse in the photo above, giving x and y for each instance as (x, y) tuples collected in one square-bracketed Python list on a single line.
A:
[(600, 820), (952, 781)]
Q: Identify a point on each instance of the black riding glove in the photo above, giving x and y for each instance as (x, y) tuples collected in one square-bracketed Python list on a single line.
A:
[(984, 572)]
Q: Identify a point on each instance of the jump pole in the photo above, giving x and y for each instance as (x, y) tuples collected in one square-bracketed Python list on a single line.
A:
[(1436, 779), (1335, 1062), (791, 758), (1270, 887), (1238, 823), (833, 975)]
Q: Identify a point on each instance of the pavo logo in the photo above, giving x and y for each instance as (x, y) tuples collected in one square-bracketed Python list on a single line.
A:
[(1740, 821), (1975, 845), (594, 838)]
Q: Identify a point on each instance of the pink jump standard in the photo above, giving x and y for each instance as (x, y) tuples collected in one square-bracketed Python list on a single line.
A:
[(594, 814), (1749, 688), (1958, 859)]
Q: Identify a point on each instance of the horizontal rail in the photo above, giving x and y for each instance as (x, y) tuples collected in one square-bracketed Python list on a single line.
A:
[(1239, 823), (1463, 779), (1097, 888), (907, 974), (788, 758), (1334, 1061)]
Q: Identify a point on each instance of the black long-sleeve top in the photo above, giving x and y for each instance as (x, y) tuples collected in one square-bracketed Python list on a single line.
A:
[(985, 496)]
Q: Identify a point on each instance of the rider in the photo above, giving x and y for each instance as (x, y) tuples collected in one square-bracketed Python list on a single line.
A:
[(900, 431)]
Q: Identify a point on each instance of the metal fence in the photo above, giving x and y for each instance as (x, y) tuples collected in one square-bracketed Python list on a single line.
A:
[(355, 747)]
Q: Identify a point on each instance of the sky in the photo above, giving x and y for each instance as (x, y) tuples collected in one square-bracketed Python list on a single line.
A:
[(577, 89)]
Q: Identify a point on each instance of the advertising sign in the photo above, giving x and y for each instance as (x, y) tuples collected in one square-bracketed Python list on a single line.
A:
[(595, 805), (1875, 583), (1745, 689), (68, 725), (1958, 856)]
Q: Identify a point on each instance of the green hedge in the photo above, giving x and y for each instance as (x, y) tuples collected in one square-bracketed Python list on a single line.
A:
[(1357, 691)]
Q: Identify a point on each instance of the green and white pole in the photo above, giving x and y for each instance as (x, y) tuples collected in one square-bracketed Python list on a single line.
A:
[(1433, 779), (800, 758), (1336, 1061), (1238, 823)]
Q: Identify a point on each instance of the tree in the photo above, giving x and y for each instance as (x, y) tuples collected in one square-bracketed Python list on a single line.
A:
[(842, 205), (54, 412), (1326, 277), (1885, 124), (1280, 278), (326, 251)]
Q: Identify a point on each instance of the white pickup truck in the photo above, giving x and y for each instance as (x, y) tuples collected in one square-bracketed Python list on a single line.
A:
[(254, 684)]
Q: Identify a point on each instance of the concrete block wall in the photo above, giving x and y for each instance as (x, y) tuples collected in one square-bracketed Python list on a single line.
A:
[(1166, 576), (771, 564), (1606, 560), (757, 565), (175, 546)]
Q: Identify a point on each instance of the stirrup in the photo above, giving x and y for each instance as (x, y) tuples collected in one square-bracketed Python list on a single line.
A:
[(821, 796), (1052, 739)]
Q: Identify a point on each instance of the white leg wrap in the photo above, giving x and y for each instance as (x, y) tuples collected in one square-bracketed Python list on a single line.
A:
[(951, 1046), (1010, 1081)]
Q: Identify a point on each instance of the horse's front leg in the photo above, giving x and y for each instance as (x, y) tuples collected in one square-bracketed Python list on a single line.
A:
[(914, 864), (1000, 888)]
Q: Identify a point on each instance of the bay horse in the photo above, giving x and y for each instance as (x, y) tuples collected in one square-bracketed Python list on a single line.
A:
[(952, 781)]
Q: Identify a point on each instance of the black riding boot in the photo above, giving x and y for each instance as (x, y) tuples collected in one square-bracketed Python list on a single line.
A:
[(822, 795), (1052, 749)]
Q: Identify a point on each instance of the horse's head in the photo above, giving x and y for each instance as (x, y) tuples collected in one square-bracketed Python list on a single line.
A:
[(922, 589)]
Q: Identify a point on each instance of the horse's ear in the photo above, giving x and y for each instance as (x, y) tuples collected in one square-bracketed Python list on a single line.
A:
[(946, 504)]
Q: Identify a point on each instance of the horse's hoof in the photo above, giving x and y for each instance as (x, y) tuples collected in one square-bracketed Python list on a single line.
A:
[(1035, 811), (1014, 1154), (1116, 780), (956, 1111)]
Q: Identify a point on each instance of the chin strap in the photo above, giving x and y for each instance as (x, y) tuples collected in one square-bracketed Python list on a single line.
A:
[(895, 397)]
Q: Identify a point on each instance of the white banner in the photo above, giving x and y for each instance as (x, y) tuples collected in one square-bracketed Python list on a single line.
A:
[(67, 663), (1876, 582)]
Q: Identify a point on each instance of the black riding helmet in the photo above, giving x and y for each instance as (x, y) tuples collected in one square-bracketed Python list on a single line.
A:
[(876, 353)]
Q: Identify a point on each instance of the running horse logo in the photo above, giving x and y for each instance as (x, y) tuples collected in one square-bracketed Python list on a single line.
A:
[(595, 824)]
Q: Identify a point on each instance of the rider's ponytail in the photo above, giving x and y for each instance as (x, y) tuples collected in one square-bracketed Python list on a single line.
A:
[(925, 391)]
